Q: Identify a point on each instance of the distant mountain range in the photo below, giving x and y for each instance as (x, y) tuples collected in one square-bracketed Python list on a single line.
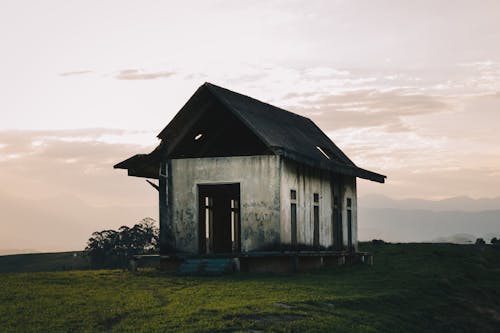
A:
[(462, 203), (457, 220)]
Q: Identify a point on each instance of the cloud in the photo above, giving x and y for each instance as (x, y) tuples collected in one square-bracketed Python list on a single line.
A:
[(370, 108), (76, 73), (136, 74), (48, 164)]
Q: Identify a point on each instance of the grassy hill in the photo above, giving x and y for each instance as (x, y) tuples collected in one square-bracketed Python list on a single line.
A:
[(411, 288), (39, 262)]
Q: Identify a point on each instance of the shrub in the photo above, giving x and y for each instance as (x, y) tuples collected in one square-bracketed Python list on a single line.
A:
[(111, 248), (480, 241), (378, 242)]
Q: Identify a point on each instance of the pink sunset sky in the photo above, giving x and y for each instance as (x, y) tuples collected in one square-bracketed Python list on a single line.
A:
[(409, 89)]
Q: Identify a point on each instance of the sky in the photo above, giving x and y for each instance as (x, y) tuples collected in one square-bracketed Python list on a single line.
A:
[(407, 89)]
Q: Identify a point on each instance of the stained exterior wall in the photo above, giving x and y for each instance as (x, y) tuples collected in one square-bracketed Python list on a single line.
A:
[(265, 184), (259, 197), (307, 181), (348, 187)]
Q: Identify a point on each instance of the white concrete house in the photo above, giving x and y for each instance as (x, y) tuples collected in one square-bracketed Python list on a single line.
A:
[(239, 176)]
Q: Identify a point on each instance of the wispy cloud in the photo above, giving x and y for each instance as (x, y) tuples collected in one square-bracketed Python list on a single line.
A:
[(136, 74), (370, 108), (74, 73)]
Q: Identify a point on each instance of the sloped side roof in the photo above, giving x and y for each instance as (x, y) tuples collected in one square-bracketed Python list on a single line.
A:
[(283, 132)]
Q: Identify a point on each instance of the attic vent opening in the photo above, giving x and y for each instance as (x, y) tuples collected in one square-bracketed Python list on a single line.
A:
[(198, 136), (323, 152)]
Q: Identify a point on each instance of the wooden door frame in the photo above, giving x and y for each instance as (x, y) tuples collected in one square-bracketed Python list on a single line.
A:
[(235, 228)]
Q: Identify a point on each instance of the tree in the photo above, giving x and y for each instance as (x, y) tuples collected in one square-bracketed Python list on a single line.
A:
[(111, 248)]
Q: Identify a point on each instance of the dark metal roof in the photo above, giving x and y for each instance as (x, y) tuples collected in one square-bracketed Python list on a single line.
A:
[(283, 132)]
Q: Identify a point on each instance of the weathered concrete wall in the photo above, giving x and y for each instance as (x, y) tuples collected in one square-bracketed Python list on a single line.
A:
[(259, 197), (306, 181), (348, 188)]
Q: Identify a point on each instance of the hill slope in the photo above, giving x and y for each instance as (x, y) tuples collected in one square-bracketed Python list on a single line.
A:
[(43, 262)]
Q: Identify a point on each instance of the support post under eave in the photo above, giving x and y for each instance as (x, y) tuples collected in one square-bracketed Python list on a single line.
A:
[(167, 237)]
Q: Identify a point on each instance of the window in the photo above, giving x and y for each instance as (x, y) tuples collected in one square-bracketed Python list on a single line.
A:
[(349, 225), (293, 222), (316, 220), (293, 218)]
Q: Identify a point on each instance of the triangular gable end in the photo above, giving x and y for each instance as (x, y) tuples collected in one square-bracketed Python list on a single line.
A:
[(205, 127)]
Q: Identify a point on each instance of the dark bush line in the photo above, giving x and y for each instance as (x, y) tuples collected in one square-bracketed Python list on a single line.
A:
[(114, 248)]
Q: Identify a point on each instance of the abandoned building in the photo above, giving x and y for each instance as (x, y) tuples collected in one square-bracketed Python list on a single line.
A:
[(240, 178)]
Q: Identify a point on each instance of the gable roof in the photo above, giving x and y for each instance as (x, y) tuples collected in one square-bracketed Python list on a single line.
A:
[(285, 133)]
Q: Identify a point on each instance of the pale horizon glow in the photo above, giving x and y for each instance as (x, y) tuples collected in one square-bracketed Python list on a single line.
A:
[(407, 89)]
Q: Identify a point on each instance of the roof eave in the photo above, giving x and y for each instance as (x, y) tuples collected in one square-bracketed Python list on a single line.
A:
[(346, 170)]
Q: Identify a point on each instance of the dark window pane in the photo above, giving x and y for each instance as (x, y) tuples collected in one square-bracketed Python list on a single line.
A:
[(316, 227), (293, 214)]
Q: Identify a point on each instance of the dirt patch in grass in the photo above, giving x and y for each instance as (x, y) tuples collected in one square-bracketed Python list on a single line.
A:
[(110, 323), (284, 305), (269, 317)]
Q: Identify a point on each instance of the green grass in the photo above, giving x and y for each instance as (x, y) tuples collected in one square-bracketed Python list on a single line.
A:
[(411, 288)]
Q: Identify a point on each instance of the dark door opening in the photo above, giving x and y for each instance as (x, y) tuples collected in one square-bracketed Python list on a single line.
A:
[(219, 219)]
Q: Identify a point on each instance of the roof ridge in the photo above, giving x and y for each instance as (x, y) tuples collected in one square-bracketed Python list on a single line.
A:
[(209, 85)]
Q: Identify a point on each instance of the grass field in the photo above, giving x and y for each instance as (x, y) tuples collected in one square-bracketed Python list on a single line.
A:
[(411, 288)]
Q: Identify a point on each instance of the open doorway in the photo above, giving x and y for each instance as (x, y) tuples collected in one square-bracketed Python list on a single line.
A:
[(219, 222)]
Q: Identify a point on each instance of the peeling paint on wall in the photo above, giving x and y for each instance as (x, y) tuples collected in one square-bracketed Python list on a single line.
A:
[(258, 177), (265, 185)]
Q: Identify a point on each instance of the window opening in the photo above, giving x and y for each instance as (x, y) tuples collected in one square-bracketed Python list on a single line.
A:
[(349, 224), (316, 220), (293, 218)]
